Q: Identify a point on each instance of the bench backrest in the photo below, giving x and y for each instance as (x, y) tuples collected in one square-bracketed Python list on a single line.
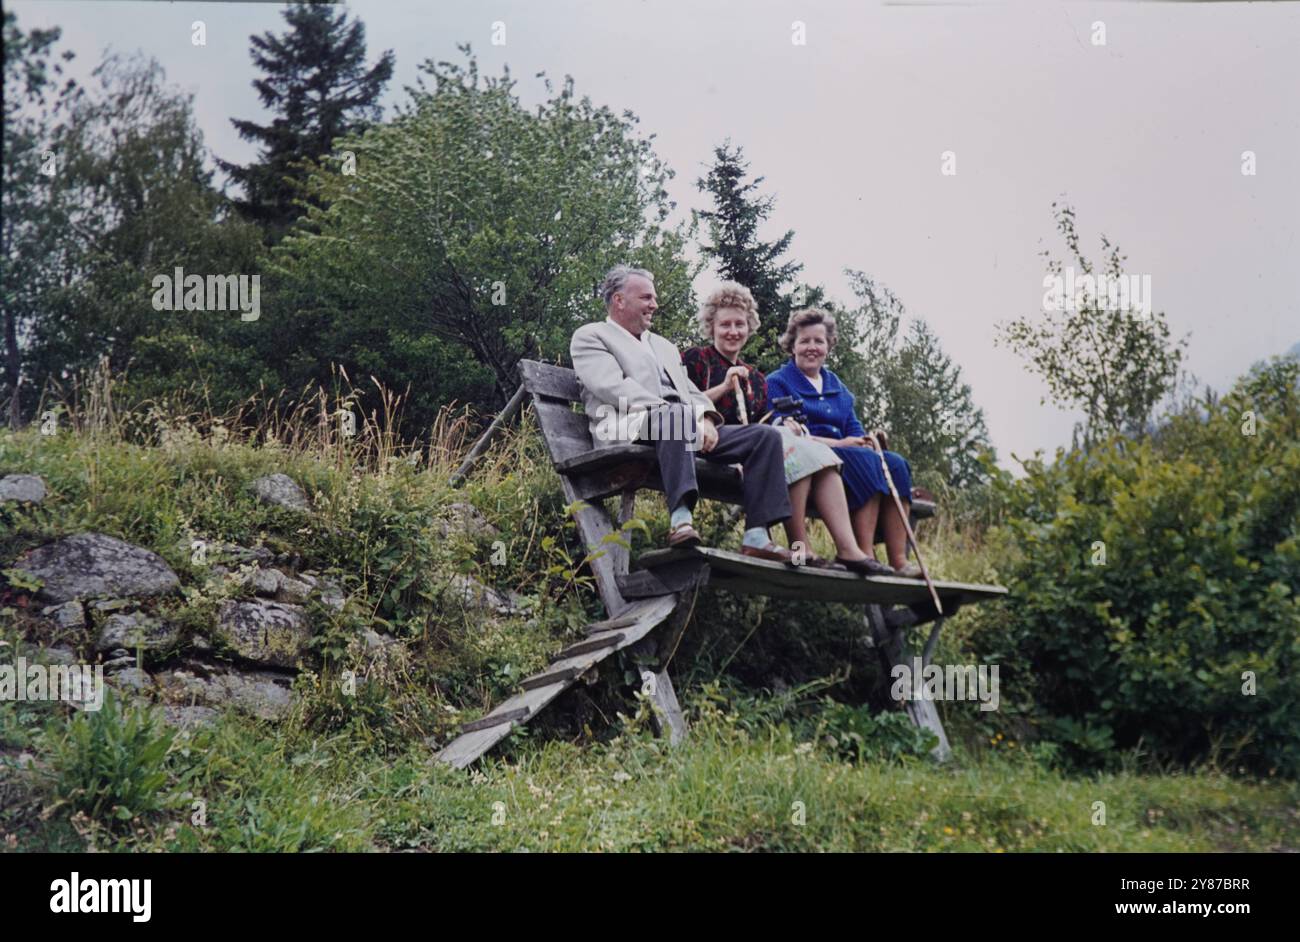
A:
[(555, 391)]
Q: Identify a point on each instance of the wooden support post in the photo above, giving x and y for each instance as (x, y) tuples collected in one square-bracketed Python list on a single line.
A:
[(670, 721), (669, 718), (619, 555), (894, 649), (594, 525), (480, 446)]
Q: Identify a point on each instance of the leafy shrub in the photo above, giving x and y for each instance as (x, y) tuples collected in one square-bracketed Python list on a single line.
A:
[(111, 763), (860, 734), (1151, 580)]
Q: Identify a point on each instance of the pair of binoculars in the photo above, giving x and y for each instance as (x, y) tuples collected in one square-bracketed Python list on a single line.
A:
[(788, 407)]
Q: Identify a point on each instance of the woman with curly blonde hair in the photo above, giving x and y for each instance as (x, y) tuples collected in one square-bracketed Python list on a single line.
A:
[(729, 317)]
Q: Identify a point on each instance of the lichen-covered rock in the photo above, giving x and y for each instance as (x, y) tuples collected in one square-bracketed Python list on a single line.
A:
[(264, 582), (293, 591), (132, 679), (67, 615), (269, 633), (232, 554), (57, 655), (466, 519), (264, 695), (104, 606), (471, 593), (27, 488), (328, 591), (282, 491), (136, 631), (188, 717), (91, 565)]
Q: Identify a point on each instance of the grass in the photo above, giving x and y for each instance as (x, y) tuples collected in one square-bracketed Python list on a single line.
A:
[(245, 787)]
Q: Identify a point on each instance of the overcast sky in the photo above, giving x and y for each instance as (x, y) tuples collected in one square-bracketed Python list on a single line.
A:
[(1143, 135)]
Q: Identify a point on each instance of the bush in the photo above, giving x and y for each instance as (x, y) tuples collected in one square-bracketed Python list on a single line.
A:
[(111, 764), (1152, 581), (859, 734)]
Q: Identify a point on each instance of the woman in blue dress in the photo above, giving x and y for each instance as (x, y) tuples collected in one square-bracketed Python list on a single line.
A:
[(831, 419)]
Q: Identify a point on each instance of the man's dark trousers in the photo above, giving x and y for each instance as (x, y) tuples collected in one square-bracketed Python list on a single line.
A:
[(759, 449)]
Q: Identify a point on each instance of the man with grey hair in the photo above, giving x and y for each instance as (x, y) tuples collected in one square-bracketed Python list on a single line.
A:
[(635, 389)]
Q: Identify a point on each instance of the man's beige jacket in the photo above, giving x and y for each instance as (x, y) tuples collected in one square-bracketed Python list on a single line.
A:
[(620, 380)]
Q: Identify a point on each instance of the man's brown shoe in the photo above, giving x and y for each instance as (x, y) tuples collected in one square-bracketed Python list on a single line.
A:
[(777, 554), (683, 535)]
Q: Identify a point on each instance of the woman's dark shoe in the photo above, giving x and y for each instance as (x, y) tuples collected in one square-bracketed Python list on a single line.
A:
[(817, 562), (866, 566)]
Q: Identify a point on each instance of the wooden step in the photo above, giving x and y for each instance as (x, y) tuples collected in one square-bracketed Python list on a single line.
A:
[(636, 622), (495, 718), (594, 643)]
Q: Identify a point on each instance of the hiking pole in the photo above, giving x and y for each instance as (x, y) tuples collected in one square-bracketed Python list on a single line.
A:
[(898, 502), (740, 400)]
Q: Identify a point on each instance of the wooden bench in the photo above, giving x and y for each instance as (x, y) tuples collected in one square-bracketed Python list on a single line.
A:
[(649, 605)]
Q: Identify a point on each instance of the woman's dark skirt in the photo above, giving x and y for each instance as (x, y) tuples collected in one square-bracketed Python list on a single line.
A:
[(864, 478)]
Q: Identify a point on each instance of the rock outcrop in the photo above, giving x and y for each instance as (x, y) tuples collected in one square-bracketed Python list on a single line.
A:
[(91, 565), (262, 632), (25, 488), (282, 491)]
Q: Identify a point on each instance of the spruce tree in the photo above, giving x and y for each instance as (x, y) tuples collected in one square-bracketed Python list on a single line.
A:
[(316, 82), (908, 384), (741, 256)]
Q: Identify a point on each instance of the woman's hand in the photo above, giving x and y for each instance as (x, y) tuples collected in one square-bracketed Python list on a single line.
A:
[(715, 393), (794, 425), (858, 441)]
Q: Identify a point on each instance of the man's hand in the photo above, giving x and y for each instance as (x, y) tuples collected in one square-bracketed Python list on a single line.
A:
[(708, 434)]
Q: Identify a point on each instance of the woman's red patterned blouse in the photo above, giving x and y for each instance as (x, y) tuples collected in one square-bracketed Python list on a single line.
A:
[(707, 367)]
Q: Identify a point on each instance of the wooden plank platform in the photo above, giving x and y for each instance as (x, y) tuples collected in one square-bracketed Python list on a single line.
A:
[(481, 735), (744, 574)]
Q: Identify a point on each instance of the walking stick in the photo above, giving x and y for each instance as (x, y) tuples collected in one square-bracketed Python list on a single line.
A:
[(898, 502), (740, 400)]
